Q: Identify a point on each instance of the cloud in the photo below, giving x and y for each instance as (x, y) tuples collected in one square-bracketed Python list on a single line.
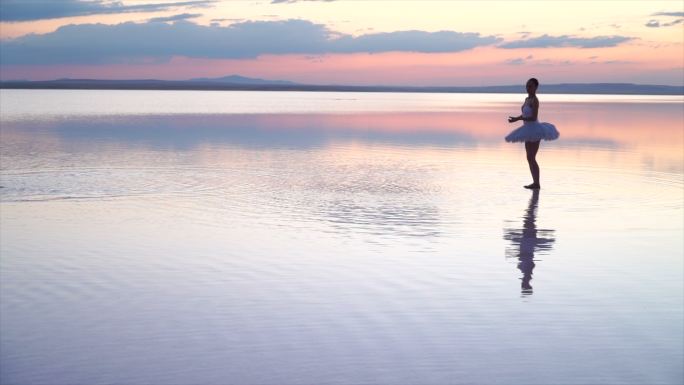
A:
[(132, 42), (414, 41), (182, 16), (546, 41), (657, 24), (618, 62), (539, 62), (26, 10), (676, 14), (518, 61)]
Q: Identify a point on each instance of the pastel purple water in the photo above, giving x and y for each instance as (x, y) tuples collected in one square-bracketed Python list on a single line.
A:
[(281, 239)]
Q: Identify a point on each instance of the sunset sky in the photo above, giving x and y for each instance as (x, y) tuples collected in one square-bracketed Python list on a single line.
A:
[(431, 43)]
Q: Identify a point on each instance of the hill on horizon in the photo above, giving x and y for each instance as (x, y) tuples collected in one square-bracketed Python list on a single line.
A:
[(238, 79), (238, 82)]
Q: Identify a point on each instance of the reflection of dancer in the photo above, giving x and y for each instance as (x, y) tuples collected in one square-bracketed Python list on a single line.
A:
[(531, 132), (526, 241)]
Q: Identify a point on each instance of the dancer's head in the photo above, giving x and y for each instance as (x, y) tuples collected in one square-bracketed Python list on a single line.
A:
[(532, 85)]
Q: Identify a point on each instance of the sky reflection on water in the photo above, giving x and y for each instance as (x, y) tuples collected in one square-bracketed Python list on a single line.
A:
[(341, 247)]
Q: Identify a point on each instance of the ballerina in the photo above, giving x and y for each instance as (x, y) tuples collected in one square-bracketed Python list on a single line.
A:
[(532, 131)]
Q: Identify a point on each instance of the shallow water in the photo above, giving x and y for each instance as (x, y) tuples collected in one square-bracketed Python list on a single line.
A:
[(308, 238)]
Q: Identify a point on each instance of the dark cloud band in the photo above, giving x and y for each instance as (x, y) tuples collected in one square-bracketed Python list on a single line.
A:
[(658, 24), (546, 41), (27, 10), (130, 42), (676, 14), (182, 16)]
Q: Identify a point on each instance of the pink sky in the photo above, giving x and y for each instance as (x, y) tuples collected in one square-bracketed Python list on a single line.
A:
[(576, 51)]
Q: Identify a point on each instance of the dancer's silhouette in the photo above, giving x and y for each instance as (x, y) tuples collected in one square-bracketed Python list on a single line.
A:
[(528, 240), (532, 131)]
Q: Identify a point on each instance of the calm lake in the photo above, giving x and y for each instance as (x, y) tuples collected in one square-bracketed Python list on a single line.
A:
[(206, 237)]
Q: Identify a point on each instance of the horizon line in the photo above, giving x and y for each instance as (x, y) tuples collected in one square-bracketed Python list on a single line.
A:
[(279, 82)]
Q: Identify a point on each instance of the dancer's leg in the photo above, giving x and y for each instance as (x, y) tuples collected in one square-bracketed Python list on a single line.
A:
[(531, 149)]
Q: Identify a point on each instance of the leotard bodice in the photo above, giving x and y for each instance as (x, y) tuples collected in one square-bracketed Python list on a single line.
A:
[(526, 109)]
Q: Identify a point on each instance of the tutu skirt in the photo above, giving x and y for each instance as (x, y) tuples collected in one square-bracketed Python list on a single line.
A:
[(532, 132)]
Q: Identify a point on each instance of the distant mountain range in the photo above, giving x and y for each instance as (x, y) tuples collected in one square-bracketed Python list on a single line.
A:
[(237, 79), (236, 82)]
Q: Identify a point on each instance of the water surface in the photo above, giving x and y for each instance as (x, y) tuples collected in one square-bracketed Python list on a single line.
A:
[(308, 238)]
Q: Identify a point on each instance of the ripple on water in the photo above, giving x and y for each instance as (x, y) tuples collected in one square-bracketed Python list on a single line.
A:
[(597, 188), (381, 254)]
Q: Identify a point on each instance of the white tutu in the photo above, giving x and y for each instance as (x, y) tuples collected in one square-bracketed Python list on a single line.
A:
[(532, 132)]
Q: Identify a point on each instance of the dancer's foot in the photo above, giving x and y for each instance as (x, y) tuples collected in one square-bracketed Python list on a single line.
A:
[(533, 186)]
